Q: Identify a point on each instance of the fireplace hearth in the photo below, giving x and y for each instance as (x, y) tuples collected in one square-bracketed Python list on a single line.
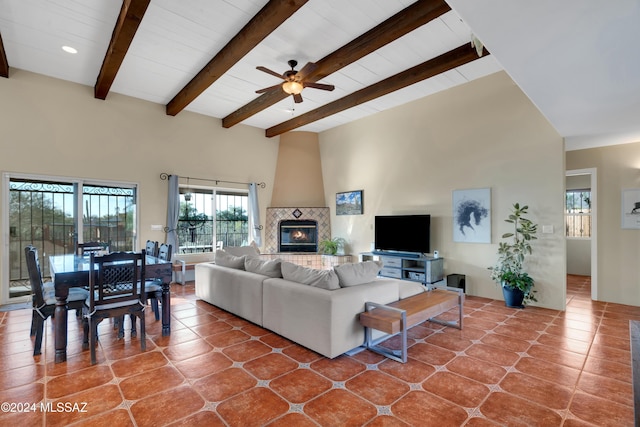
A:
[(295, 238)]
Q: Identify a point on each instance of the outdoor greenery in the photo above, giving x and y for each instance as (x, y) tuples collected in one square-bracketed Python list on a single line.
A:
[(509, 269)]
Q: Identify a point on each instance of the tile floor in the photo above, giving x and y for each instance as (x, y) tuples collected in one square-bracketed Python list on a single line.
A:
[(531, 367)]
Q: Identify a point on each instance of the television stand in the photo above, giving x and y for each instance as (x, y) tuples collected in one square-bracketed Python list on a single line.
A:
[(422, 269), (398, 254)]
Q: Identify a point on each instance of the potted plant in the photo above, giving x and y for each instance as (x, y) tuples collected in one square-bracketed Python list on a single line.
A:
[(331, 246), (517, 285)]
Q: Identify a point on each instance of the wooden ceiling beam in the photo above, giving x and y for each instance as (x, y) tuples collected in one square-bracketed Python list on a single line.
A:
[(445, 62), (403, 22), (131, 14), (4, 64), (270, 17)]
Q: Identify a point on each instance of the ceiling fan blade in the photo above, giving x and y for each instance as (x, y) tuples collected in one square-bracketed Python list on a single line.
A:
[(268, 71), (297, 98), (306, 70), (318, 86), (270, 88)]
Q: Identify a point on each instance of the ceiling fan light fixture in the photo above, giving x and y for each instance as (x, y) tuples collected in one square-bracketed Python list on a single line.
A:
[(292, 88)]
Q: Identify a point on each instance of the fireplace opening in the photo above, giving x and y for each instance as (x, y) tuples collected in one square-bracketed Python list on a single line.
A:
[(298, 236)]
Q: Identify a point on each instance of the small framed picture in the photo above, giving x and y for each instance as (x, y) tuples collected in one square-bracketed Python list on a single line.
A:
[(631, 208), (349, 203)]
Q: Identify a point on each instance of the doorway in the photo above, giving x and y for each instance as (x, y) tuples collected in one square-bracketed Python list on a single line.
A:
[(589, 200)]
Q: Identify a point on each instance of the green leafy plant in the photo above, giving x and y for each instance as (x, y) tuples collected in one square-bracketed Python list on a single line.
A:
[(331, 246), (509, 269)]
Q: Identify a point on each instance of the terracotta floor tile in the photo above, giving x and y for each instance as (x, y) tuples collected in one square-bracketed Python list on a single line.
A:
[(456, 389), (481, 422), (368, 357), (301, 354), (202, 418), (419, 408), (606, 388), (20, 376), (117, 417), (479, 323), (564, 343), (552, 372), (246, 351), (413, 371), (616, 371), (522, 333), (270, 366), (510, 410), (478, 370), (610, 353), (32, 392), (570, 333), (377, 387), (449, 341), (166, 407), (64, 385), (212, 328), (339, 369), (543, 392), (255, 330), (150, 382), (300, 385), (253, 408), (275, 341), (601, 412), (340, 408), (203, 365), (505, 342), (176, 337), (138, 363), (387, 421), (557, 355), (98, 401), (621, 343), (228, 338), (492, 354), (293, 419), (224, 384), (187, 350), (431, 354), (201, 319)]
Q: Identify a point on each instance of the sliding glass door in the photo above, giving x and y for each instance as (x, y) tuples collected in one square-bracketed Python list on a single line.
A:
[(53, 215)]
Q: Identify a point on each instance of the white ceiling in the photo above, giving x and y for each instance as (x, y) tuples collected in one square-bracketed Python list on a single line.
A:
[(577, 60)]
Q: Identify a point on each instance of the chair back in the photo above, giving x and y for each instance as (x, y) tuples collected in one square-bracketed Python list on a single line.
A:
[(164, 253), (91, 247), (152, 248), (114, 280), (35, 275)]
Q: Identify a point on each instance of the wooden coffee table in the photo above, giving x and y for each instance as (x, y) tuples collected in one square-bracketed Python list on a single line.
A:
[(398, 317)]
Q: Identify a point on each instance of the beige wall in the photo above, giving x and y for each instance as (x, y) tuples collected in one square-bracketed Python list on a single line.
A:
[(298, 178), (618, 168), (53, 127), (409, 160)]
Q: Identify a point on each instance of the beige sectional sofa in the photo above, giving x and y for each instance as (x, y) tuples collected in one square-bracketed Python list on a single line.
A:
[(319, 309)]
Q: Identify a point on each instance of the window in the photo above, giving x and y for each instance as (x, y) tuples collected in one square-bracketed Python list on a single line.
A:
[(200, 230), (54, 214), (578, 213)]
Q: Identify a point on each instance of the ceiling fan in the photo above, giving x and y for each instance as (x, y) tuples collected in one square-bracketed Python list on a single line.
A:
[(294, 80)]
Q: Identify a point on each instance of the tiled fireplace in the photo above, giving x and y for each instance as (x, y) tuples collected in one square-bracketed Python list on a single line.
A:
[(275, 216)]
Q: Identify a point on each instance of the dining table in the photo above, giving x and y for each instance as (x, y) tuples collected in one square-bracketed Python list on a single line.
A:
[(72, 270)]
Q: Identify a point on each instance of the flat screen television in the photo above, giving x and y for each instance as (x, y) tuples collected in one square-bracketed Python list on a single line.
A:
[(403, 233)]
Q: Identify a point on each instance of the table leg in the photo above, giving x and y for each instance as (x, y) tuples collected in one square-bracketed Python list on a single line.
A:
[(60, 331), (166, 309)]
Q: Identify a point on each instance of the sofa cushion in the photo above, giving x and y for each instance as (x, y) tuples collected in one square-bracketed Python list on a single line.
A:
[(357, 273), (324, 279), (248, 251), (264, 267), (226, 259)]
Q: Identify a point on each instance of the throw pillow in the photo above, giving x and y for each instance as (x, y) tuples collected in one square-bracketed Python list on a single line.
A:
[(264, 267), (324, 279), (357, 273), (225, 259), (248, 251)]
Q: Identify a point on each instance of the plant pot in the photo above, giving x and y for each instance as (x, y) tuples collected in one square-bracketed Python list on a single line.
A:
[(513, 297)]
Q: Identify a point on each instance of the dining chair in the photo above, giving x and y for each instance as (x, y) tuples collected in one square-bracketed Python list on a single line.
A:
[(44, 299), (153, 287), (114, 291), (87, 248), (151, 248)]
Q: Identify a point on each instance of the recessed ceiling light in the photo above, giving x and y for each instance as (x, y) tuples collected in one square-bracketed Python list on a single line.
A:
[(69, 49)]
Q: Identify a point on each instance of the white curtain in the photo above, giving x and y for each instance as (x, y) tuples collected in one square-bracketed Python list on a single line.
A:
[(173, 212), (254, 214)]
